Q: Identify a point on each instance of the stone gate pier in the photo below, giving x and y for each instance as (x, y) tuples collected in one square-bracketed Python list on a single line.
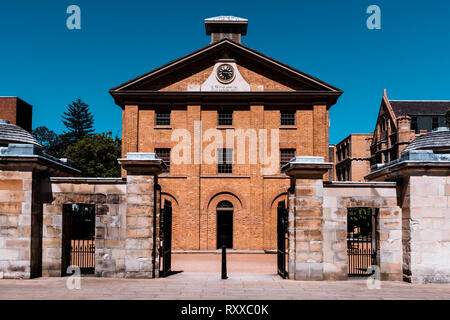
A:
[(317, 228), (411, 201), (423, 178)]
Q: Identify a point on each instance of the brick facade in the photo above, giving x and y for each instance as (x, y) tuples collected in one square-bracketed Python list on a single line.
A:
[(16, 111), (352, 157), (199, 188), (196, 188), (400, 122)]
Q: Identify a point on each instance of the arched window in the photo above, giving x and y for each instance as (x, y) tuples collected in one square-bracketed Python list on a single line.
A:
[(224, 205)]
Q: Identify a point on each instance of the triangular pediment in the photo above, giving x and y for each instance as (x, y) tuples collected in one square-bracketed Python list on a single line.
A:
[(253, 72)]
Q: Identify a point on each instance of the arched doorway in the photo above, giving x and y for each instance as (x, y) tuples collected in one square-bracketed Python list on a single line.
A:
[(225, 224)]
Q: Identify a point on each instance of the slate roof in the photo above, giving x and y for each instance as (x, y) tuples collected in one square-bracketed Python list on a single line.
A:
[(403, 108), (439, 139), (11, 133)]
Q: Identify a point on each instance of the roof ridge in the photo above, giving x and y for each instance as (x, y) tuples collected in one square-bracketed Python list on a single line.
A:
[(419, 100), (252, 51)]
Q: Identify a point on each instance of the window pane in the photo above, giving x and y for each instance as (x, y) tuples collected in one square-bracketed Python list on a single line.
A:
[(164, 154), (414, 125), (286, 155), (225, 160), (435, 123), (163, 118), (287, 118), (225, 118)]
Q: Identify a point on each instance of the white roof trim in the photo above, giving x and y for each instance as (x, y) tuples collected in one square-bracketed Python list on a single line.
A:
[(226, 18)]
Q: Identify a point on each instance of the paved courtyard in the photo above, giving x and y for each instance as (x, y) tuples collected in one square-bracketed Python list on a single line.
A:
[(251, 276), (236, 262), (196, 285)]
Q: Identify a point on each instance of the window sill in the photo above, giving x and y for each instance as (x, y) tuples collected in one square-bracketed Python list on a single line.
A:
[(225, 127), (288, 127), (162, 127)]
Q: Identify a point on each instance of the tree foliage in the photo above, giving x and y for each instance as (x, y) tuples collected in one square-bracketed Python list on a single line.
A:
[(360, 219), (96, 155), (52, 143), (78, 120)]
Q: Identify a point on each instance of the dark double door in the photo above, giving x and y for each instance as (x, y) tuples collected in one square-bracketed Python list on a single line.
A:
[(225, 228), (166, 239), (282, 224)]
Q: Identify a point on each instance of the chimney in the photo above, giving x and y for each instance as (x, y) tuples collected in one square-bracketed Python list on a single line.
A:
[(229, 27)]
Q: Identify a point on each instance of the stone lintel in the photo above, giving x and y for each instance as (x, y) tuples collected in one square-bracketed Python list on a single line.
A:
[(307, 167), (410, 168), (37, 163), (142, 163)]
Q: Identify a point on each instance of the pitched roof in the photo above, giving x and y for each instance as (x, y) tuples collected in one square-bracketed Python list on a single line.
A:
[(403, 108), (228, 44)]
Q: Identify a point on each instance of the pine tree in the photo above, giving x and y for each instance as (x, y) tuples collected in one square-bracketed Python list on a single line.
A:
[(79, 121)]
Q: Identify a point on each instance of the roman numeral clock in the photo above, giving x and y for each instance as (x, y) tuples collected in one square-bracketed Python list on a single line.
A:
[(225, 73)]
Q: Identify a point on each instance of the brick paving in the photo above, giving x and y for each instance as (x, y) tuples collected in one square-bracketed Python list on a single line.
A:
[(196, 285)]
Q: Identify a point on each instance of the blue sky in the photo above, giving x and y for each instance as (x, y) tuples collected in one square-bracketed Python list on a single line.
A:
[(47, 65)]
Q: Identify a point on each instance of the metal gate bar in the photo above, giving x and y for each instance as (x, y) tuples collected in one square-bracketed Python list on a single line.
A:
[(361, 251), (83, 254)]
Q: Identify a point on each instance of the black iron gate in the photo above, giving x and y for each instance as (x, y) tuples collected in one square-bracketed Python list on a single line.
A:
[(78, 240), (166, 239), (282, 223), (361, 244)]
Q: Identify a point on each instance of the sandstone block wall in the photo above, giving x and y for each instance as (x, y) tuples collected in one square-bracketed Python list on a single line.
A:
[(305, 230), (17, 212), (109, 201), (426, 229), (383, 199), (142, 227)]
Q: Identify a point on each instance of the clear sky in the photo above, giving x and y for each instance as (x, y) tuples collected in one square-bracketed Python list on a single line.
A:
[(48, 66)]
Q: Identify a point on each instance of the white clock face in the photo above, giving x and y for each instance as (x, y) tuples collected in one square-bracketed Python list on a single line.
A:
[(225, 73)]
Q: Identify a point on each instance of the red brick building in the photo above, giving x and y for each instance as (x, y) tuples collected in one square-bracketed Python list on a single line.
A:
[(232, 89), (16, 111), (401, 121), (352, 157)]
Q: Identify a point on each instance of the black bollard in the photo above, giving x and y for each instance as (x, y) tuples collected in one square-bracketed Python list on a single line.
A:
[(224, 262)]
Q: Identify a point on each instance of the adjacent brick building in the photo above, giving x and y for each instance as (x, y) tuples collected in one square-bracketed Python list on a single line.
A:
[(400, 122), (352, 157), (236, 90), (16, 111)]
